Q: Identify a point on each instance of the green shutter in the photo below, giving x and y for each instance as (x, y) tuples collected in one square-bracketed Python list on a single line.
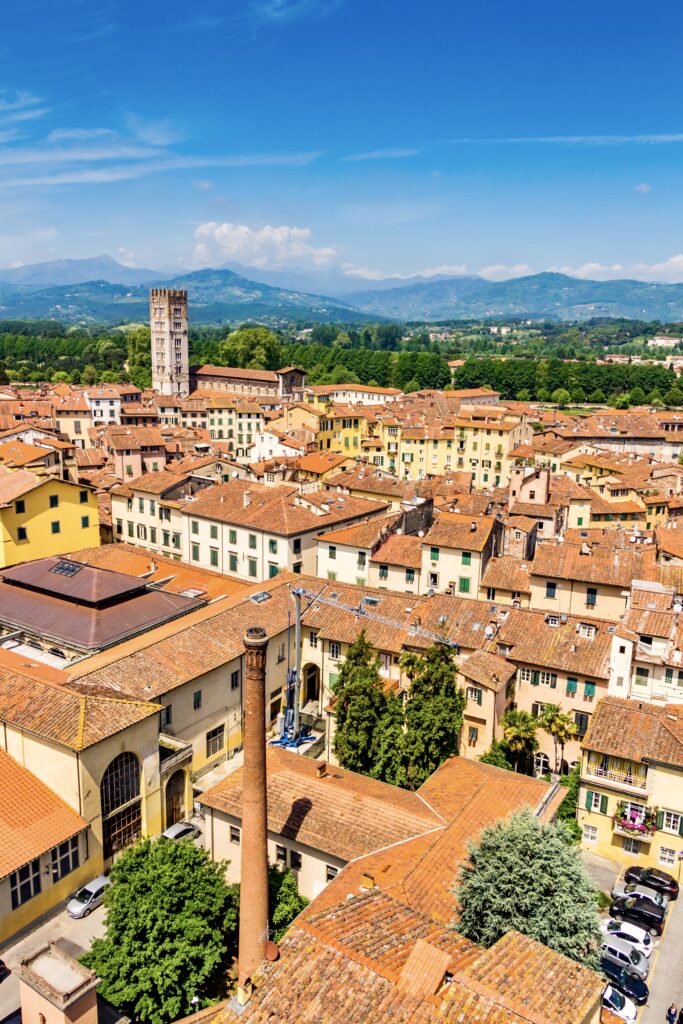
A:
[(660, 819), (680, 826), (589, 800), (553, 681), (535, 678), (603, 805), (478, 696), (572, 685)]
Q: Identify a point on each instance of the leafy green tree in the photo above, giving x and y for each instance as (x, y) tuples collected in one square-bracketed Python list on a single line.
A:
[(285, 901), (578, 395), (524, 395), (171, 923), (497, 755), (622, 401), (361, 706), (410, 386), (252, 347), (61, 377), (597, 396), (561, 396), (637, 396), (566, 812), (674, 397), (560, 727), (519, 733), (433, 715), (655, 397), (543, 395), (90, 374), (524, 875)]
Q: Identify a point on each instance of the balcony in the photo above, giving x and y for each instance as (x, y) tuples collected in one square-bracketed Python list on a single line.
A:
[(634, 825), (173, 753), (625, 780)]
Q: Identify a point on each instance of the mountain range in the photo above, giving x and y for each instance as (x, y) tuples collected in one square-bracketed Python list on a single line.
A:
[(102, 290)]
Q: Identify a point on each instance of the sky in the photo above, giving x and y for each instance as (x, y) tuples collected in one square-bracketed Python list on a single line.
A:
[(371, 138)]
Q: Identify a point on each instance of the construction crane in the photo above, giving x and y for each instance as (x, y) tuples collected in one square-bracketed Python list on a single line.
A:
[(291, 734)]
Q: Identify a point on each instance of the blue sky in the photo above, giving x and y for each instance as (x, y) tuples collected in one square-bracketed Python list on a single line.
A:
[(372, 138)]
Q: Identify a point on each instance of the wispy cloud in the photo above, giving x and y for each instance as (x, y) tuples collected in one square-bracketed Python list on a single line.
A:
[(78, 134), (381, 154), (370, 274), (19, 100), (643, 187), (283, 11), (155, 133), (578, 140)]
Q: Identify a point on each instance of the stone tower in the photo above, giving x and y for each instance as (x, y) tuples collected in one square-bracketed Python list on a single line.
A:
[(168, 329)]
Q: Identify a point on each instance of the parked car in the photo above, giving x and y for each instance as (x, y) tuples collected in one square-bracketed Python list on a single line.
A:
[(620, 1005), (638, 937), (624, 888), (181, 830), (4, 970), (634, 988), (662, 881), (623, 954), (88, 897), (641, 912)]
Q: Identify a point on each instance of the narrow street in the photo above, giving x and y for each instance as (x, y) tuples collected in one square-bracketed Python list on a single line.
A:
[(666, 977)]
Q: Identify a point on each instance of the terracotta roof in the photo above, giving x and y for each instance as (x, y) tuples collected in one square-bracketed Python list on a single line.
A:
[(58, 713), (600, 565), (507, 573), (636, 731), (362, 535), (490, 670), (528, 508), (404, 550), (322, 462), (454, 530), (33, 819), (15, 483), (343, 814), (233, 373), (153, 483)]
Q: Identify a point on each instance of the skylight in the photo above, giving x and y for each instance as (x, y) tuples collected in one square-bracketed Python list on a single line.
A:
[(65, 568)]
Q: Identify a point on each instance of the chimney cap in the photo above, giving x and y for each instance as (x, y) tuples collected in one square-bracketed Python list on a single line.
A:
[(255, 636)]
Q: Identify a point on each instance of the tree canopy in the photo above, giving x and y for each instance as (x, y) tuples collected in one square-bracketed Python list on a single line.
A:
[(524, 875)]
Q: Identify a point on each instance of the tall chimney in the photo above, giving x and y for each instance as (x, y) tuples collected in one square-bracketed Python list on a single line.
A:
[(253, 934)]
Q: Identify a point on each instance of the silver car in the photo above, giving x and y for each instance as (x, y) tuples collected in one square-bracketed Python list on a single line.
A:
[(88, 897), (623, 954), (643, 892)]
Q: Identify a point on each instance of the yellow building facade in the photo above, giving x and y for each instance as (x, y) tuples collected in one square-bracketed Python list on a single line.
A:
[(40, 517)]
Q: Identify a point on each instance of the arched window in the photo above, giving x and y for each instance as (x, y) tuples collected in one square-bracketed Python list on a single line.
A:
[(121, 803)]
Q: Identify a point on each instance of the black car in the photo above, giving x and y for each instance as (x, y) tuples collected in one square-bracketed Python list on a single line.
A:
[(659, 880), (628, 986), (642, 912)]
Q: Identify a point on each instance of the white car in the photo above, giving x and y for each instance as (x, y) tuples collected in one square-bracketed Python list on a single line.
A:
[(88, 897), (638, 937), (620, 1005), (643, 892), (181, 830)]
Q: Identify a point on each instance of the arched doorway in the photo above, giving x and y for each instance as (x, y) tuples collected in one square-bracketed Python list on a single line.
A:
[(311, 684), (121, 804), (175, 798)]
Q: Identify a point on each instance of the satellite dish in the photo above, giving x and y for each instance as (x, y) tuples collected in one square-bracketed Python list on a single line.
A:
[(430, 592), (234, 474)]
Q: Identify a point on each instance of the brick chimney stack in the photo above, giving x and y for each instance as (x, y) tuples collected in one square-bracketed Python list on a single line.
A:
[(253, 934)]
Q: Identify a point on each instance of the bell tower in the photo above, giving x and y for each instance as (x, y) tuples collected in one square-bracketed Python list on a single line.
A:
[(168, 332)]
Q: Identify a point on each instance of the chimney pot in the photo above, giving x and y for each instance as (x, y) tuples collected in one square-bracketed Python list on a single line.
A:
[(367, 881), (321, 771)]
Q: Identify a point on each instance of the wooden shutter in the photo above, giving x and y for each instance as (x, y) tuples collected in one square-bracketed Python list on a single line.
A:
[(553, 681), (535, 678), (603, 805), (680, 826), (589, 800), (660, 819)]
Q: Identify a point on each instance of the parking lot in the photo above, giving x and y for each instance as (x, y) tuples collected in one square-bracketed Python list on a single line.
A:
[(665, 980)]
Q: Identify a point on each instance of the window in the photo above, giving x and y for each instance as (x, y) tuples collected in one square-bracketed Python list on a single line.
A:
[(166, 715), (141, 504), (213, 557), (410, 575), (467, 558), (332, 552), (433, 579), (335, 651), (463, 585), (195, 552), (25, 883), (671, 822), (588, 691), (642, 675), (215, 740), (631, 846), (166, 538), (551, 590), (296, 546), (252, 567), (252, 541), (572, 686), (581, 722), (474, 693), (313, 639), (55, 527), (64, 858), (176, 540), (54, 501), (330, 872), (472, 736), (235, 679), (667, 856), (232, 562), (130, 529), (590, 833), (595, 801), (22, 533), (20, 507), (194, 525), (197, 700), (272, 547), (281, 854), (591, 596), (213, 531), (548, 679), (434, 554), (232, 536), (552, 620), (235, 835), (153, 534), (295, 860), (585, 629), (384, 572), (524, 675), (85, 522)]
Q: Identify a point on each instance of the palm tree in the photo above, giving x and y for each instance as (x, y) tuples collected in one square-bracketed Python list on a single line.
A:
[(548, 720), (519, 733), (413, 664), (565, 730)]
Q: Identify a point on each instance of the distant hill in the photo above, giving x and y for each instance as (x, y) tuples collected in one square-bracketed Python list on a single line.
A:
[(327, 282), (214, 295), (545, 295), (60, 272)]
